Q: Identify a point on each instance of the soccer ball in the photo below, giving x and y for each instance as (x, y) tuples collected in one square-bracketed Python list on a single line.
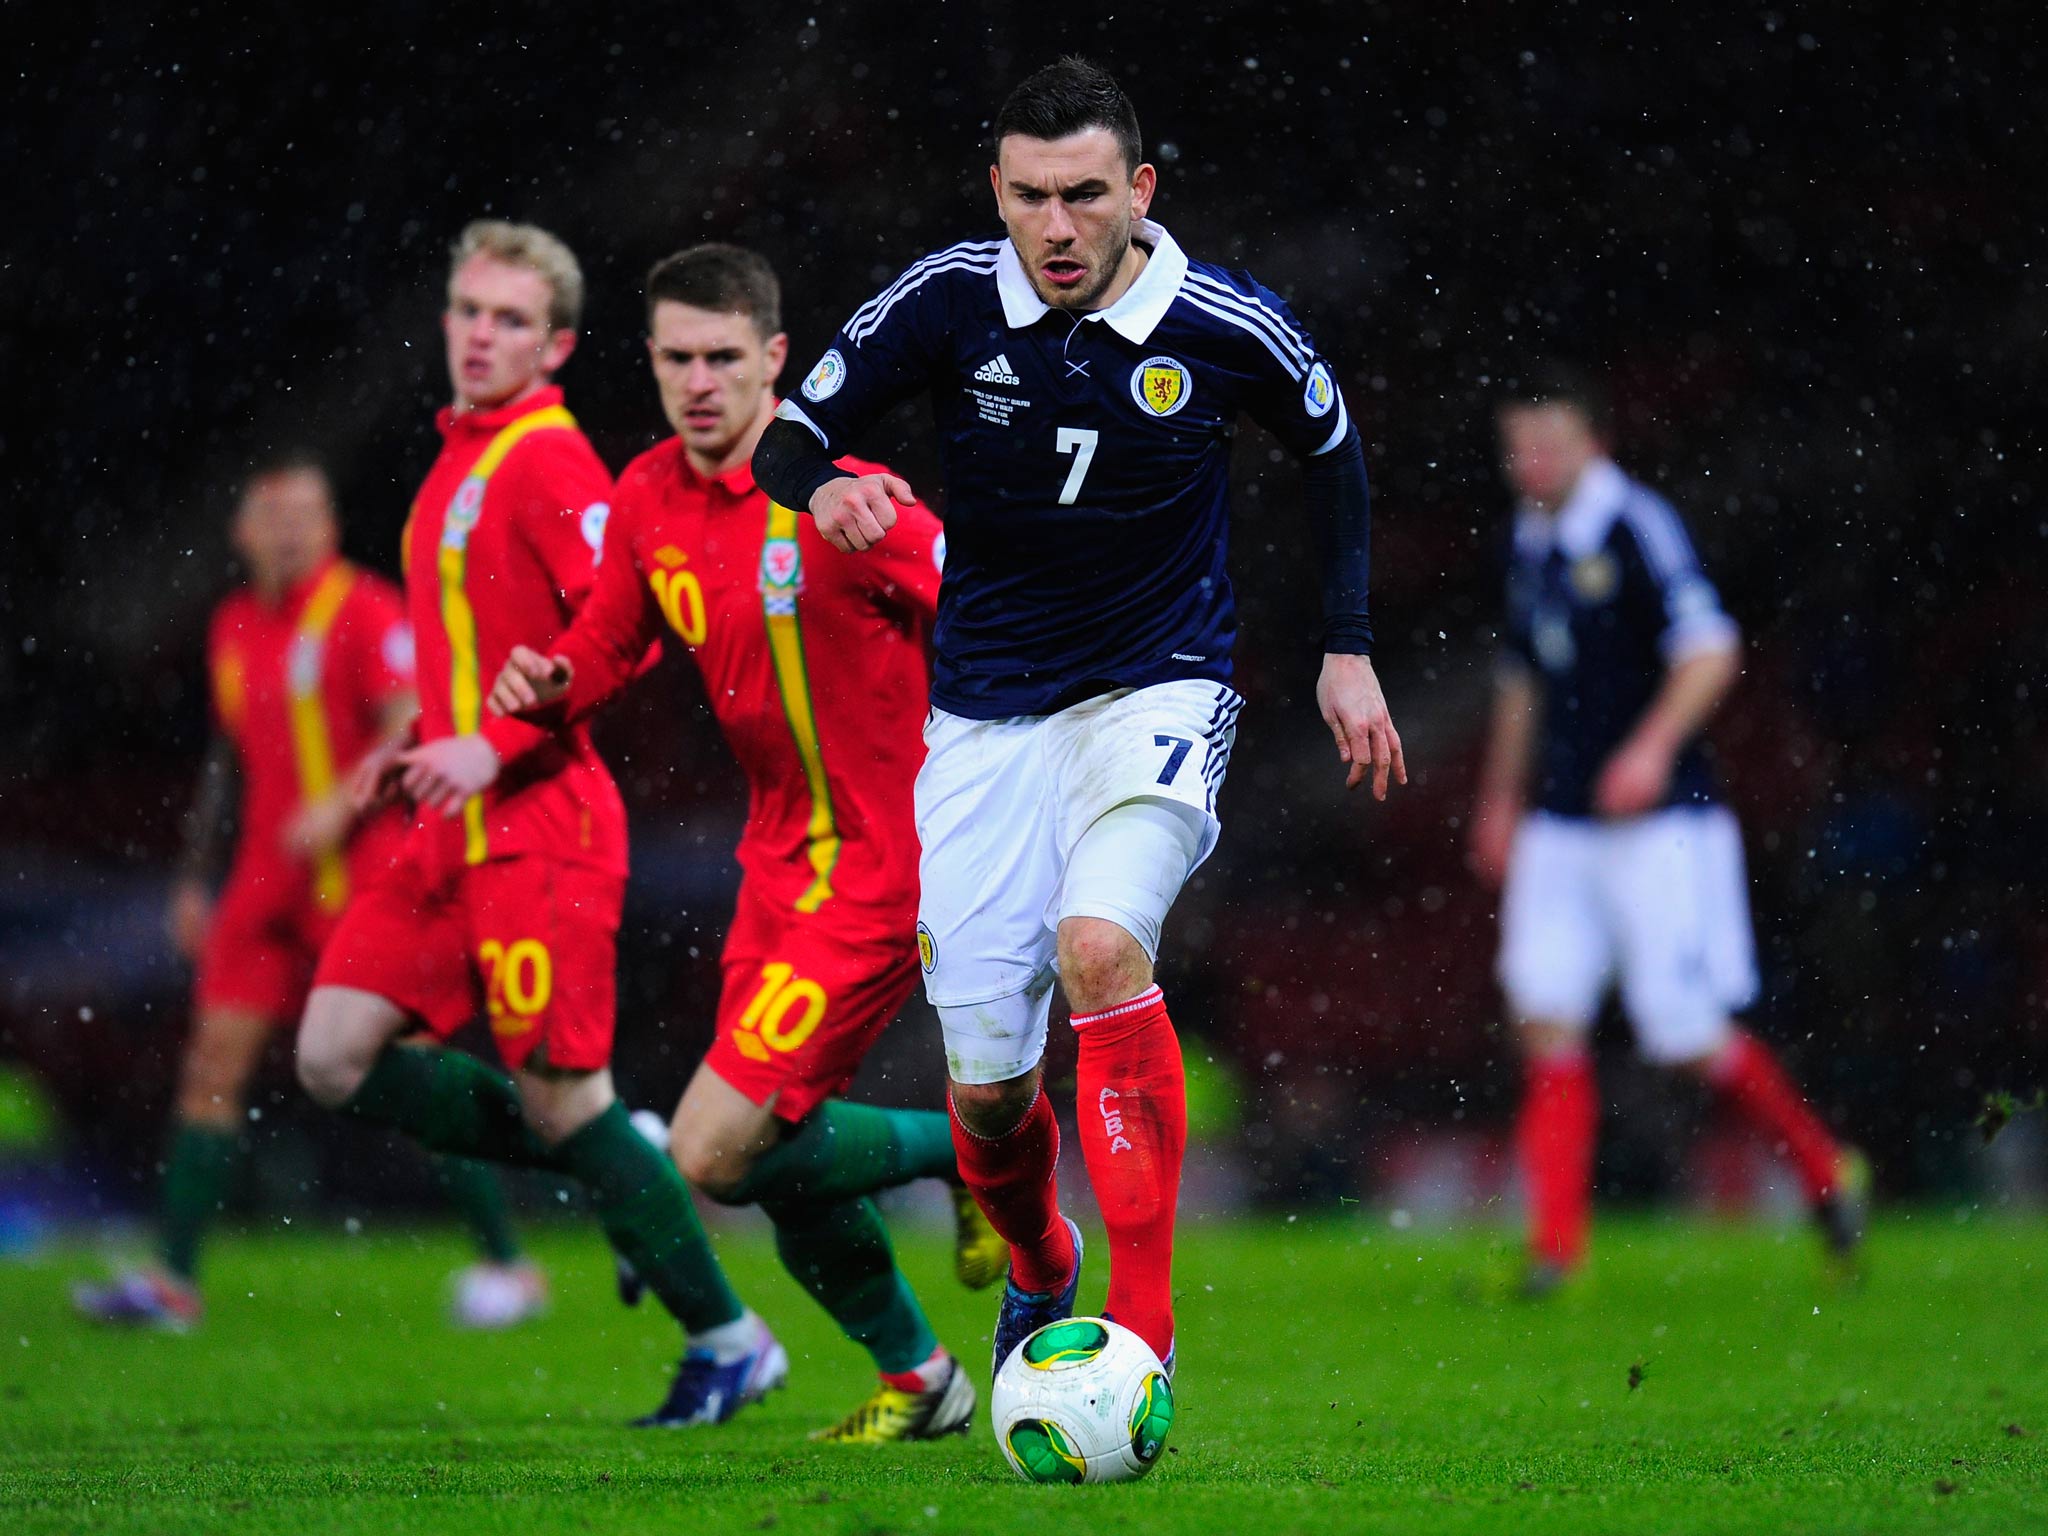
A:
[(1081, 1401)]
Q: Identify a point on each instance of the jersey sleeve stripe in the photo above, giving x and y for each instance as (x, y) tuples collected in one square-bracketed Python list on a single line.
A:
[(1294, 370), (1337, 432), (859, 331), (1257, 310), (965, 247), (1662, 538)]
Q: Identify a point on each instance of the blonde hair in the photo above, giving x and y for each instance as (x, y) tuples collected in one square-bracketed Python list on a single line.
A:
[(529, 246)]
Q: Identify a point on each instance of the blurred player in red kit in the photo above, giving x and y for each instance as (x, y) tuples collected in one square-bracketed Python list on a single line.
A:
[(311, 666), (814, 662), (506, 897)]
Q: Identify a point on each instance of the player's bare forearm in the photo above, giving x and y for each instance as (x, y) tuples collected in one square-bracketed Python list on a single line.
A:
[(399, 717), (1504, 775), (1692, 690), (1348, 694), (371, 781), (321, 825), (1636, 778), (1510, 738), (190, 912), (855, 512), (209, 822)]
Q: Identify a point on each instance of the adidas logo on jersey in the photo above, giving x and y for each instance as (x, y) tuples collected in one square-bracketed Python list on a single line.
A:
[(996, 371)]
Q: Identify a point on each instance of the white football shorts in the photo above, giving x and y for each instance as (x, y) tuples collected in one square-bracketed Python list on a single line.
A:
[(1002, 806), (1660, 902)]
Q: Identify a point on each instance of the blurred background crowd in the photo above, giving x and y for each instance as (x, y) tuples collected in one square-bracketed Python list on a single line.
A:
[(1801, 244)]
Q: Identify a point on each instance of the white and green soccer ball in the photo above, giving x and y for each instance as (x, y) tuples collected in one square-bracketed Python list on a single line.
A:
[(1081, 1401)]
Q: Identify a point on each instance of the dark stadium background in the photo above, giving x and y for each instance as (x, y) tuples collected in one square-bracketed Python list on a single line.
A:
[(1803, 243)]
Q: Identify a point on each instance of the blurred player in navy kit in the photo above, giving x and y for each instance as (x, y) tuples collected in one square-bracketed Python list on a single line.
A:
[(1087, 377), (1598, 811)]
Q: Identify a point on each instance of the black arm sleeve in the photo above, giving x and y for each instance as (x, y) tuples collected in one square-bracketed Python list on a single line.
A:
[(210, 823), (1339, 506), (790, 464)]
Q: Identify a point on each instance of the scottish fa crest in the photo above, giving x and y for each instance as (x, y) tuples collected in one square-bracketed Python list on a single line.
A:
[(1594, 578), (1161, 385)]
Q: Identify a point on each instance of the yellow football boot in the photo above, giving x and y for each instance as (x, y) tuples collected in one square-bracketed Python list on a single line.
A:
[(892, 1415), (980, 1256)]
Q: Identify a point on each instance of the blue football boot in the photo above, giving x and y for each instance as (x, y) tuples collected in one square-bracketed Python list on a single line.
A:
[(707, 1392), (1025, 1312), (141, 1298)]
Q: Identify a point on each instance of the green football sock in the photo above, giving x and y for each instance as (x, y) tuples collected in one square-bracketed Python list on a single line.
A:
[(198, 1168), (841, 1150), (839, 1252), (647, 1214), (451, 1102), (476, 1191)]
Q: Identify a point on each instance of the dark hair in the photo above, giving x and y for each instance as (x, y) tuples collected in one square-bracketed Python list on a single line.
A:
[(727, 279), (1559, 383), (293, 459), (1066, 98)]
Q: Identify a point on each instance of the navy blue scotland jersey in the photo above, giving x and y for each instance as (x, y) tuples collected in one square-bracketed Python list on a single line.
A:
[(1602, 598), (1087, 461)]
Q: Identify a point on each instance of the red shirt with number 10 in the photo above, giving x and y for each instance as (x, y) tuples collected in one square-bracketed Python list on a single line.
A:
[(814, 660)]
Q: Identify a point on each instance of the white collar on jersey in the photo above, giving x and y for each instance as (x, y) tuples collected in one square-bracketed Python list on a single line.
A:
[(1136, 315), (1579, 527)]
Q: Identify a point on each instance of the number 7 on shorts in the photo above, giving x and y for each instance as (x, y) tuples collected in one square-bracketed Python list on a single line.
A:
[(1181, 746)]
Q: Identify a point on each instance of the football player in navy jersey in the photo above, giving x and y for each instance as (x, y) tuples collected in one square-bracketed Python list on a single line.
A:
[(1598, 810), (1086, 377)]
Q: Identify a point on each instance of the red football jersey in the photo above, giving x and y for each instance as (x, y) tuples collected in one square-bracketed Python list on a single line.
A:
[(501, 548), (300, 689), (815, 662)]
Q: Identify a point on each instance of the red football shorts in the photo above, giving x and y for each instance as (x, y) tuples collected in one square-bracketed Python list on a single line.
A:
[(259, 958), (805, 995), (530, 942)]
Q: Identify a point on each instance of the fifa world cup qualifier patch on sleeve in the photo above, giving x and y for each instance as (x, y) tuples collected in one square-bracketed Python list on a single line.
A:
[(826, 379), (1320, 393), (592, 524)]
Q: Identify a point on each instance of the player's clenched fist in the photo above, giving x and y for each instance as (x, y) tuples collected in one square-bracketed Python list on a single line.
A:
[(854, 512), (529, 681)]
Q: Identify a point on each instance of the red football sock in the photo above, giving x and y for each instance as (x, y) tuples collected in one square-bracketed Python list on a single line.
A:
[(1134, 1131), (1554, 1144), (1013, 1180), (1755, 1082)]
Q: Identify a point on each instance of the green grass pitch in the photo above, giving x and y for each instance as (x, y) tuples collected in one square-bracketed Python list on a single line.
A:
[(1336, 1376)]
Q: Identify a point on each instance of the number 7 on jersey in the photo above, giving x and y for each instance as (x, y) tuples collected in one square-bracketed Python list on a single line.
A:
[(1079, 441)]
